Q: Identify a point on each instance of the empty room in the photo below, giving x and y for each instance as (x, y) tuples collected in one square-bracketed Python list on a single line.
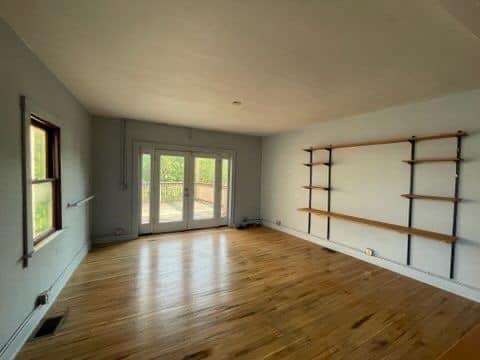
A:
[(258, 179)]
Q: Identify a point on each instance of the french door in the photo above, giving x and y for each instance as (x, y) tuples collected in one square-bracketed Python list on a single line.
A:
[(182, 190)]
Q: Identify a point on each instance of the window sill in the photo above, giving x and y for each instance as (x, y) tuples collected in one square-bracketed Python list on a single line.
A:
[(48, 239)]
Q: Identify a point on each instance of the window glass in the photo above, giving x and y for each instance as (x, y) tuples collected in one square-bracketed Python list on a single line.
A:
[(225, 190), (204, 188), (38, 148), (45, 179), (42, 206), (146, 187), (172, 179)]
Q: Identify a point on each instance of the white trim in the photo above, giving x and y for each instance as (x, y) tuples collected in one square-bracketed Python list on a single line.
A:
[(48, 239), (24, 331), (411, 272)]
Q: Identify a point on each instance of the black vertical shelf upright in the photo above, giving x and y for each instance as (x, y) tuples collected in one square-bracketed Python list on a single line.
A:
[(329, 189), (455, 199), (455, 204), (310, 190), (310, 186), (411, 191)]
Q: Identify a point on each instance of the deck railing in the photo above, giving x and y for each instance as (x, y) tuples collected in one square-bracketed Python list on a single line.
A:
[(173, 191)]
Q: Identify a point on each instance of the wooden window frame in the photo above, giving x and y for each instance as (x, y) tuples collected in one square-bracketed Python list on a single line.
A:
[(53, 174), (32, 114)]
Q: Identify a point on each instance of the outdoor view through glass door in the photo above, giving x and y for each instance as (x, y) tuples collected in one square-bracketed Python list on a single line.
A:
[(183, 190)]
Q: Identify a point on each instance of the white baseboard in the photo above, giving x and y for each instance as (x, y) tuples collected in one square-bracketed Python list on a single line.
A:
[(23, 332), (417, 274), (114, 238)]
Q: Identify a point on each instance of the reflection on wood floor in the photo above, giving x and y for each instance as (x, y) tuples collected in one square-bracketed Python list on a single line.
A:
[(253, 294)]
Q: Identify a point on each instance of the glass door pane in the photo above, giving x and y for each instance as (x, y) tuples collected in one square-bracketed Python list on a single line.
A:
[(224, 189), (146, 188), (204, 188), (171, 185)]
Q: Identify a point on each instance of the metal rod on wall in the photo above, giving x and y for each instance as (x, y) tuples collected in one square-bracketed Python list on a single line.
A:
[(81, 202), (123, 150), (310, 191), (455, 205), (24, 139), (329, 198), (410, 202)]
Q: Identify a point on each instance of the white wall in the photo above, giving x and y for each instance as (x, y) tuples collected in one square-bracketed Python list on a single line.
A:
[(22, 73), (114, 206), (367, 182)]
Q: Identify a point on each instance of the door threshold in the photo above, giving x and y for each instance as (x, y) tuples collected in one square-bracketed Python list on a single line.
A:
[(186, 230)]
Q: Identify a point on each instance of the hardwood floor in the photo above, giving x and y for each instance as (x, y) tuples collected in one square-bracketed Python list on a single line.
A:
[(252, 294), (466, 347)]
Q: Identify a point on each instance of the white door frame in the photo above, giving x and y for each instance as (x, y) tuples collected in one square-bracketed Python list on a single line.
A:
[(140, 147)]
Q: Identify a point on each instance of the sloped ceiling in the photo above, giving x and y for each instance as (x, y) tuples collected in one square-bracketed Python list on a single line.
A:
[(290, 63)]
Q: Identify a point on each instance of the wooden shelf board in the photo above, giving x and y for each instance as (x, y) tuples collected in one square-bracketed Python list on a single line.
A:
[(316, 187), (388, 141), (431, 197), (426, 160), (326, 163), (380, 224)]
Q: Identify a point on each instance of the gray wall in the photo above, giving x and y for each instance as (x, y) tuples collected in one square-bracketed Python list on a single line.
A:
[(114, 208), (22, 73), (368, 181)]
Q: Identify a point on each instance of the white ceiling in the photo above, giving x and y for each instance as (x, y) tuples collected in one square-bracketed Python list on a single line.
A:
[(291, 62)]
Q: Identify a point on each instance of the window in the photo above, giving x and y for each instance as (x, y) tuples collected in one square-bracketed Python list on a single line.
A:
[(46, 215)]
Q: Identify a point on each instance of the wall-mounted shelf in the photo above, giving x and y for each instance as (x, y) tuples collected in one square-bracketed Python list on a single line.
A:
[(411, 196), (430, 160), (431, 197), (398, 228), (388, 141), (316, 187), (314, 163)]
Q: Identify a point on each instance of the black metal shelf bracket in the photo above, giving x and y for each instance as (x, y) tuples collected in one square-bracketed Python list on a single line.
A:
[(455, 205), (411, 190)]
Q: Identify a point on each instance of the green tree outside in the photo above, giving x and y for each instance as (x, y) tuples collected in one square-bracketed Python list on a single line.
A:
[(41, 193)]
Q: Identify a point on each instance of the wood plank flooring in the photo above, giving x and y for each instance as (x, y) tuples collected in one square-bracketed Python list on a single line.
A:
[(251, 294), (466, 347)]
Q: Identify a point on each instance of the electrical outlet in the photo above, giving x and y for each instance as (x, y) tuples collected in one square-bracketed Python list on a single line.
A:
[(278, 222), (368, 252), (42, 299)]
